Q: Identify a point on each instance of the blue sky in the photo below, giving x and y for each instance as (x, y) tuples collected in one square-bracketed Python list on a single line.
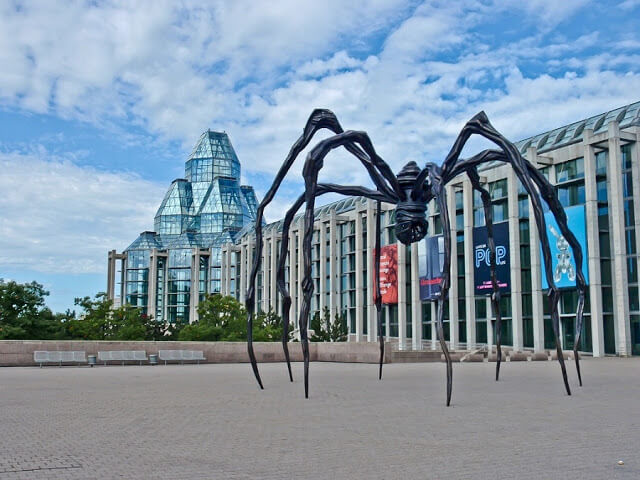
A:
[(101, 102)]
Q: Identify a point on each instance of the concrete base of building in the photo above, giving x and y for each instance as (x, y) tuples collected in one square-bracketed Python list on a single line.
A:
[(473, 357), (518, 356), (415, 356), (20, 352), (540, 357), (568, 355)]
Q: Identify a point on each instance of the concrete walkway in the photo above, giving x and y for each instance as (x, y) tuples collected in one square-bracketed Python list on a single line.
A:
[(212, 422)]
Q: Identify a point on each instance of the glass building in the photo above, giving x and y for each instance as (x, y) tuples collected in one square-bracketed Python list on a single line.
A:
[(594, 164), (166, 272)]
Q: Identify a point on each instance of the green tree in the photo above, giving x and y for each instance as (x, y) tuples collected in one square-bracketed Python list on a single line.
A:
[(267, 327), (94, 322), (23, 314), (100, 321), (324, 330), (223, 318), (220, 318)]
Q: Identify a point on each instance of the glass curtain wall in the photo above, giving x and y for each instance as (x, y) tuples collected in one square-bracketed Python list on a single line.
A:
[(462, 323), (525, 267), (604, 238), (631, 248), (348, 273), (137, 277), (179, 285)]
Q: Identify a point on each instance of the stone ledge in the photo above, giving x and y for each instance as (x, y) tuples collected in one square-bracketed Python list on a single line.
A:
[(540, 357), (518, 356), (20, 352)]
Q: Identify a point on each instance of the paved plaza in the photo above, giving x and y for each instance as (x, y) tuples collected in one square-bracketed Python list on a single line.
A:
[(212, 422)]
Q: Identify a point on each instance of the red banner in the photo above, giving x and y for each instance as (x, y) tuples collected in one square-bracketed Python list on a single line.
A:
[(388, 274)]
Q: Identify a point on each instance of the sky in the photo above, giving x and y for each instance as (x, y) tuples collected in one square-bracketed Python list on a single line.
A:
[(102, 102)]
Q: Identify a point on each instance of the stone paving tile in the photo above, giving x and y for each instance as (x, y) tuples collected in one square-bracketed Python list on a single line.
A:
[(212, 422)]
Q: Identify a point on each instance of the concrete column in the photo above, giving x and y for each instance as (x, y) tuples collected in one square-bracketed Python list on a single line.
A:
[(454, 320), (243, 284), (322, 264), (334, 301), (434, 331), (111, 268), (300, 270), (635, 170), (264, 304), (227, 280), (273, 291), (514, 254), (402, 296), (292, 278), (223, 270), (619, 253), (387, 319), (433, 306), (246, 268), (536, 272), (593, 245), (152, 283), (195, 284), (470, 303), (371, 239), (165, 293), (487, 300), (359, 288), (123, 282), (416, 303)]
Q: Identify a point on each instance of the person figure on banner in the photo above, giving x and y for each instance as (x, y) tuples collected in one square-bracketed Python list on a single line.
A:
[(564, 265)]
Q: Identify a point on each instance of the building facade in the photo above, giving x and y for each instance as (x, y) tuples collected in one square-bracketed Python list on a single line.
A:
[(595, 167), (166, 272)]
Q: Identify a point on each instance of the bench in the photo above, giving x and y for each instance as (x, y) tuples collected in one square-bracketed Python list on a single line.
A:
[(180, 355), (123, 356), (43, 356)]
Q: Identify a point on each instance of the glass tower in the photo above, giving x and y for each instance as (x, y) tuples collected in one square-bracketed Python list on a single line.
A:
[(168, 271)]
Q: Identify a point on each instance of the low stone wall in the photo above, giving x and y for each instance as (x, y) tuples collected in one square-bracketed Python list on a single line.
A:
[(20, 352)]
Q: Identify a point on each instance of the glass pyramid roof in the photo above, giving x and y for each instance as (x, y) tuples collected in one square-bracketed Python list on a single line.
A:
[(206, 208)]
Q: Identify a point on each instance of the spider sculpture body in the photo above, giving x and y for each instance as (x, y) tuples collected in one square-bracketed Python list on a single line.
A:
[(411, 190)]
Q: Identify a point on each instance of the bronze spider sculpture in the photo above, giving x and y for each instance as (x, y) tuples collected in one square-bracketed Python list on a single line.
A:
[(411, 190)]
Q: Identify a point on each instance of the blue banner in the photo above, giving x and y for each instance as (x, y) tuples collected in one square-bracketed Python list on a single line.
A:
[(563, 263), (481, 259)]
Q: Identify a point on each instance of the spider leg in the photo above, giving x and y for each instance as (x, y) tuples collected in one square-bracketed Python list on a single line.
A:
[(310, 180), (444, 285), (352, 141), (379, 197), (558, 212), (548, 193), (280, 282), (318, 120), (495, 297), (286, 225), (378, 297), (480, 125)]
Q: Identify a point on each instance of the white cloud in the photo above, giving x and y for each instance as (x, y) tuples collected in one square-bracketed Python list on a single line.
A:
[(629, 4), (174, 67), (59, 217), (547, 13), (410, 75)]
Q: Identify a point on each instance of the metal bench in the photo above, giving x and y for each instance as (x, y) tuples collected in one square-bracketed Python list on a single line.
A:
[(181, 355), (123, 356), (59, 357)]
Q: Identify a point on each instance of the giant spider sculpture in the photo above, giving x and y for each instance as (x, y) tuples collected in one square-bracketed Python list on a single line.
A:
[(411, 190)]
